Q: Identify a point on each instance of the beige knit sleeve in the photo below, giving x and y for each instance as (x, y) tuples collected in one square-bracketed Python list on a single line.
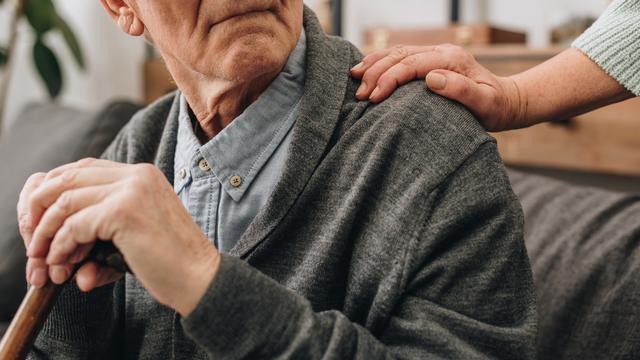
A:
[(613, 42)]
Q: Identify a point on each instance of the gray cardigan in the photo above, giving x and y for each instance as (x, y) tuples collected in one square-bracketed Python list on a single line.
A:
[(392, 232)]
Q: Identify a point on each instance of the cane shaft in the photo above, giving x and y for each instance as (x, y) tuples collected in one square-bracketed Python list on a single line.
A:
[(28, 322), (37, 304)]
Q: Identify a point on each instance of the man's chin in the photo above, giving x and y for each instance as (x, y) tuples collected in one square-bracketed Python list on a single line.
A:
[(248, 61)]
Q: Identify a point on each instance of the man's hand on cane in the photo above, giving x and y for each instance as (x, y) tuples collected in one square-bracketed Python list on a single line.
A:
[(63, 213)]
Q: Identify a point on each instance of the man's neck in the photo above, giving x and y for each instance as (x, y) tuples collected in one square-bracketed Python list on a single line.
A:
[(217, 102)]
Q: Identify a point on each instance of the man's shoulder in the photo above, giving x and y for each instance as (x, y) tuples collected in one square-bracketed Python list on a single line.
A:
[(140, 138), (434, 119), (153, 117), (426, 129)]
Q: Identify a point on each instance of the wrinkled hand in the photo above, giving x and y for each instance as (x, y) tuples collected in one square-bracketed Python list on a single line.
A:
[(450, 71), (63, 213)]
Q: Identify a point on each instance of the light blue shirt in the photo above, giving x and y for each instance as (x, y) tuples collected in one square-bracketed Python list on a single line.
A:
[(224, 183)]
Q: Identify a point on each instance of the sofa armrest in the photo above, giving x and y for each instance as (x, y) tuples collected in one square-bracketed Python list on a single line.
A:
[(584, 245), (42, 138)]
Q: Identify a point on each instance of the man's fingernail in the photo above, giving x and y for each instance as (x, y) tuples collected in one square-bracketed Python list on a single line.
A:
[(30, 249), (39, 278), (362, 89), (436, 81), (76, 257), (357, 67), (59, 274), (375, 93)]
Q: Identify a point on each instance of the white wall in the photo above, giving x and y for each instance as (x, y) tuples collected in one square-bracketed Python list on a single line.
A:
[(362, 14), (114, 60), (535, 17)]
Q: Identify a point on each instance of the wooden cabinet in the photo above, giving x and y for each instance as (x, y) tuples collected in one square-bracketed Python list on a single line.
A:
[(157, 80), (507, 60), (604, 141), (466, 35)]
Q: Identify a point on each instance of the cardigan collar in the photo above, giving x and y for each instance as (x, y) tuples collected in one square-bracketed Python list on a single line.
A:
[(325, 88), (327, 77)]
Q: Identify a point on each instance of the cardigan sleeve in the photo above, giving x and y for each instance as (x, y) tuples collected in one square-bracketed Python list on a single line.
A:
[(82, 325), (613, 42), (85, 325), (469, 292)]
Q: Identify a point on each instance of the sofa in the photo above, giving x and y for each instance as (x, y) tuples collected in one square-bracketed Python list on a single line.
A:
[(584, 248), (583, 243), (43, 137)]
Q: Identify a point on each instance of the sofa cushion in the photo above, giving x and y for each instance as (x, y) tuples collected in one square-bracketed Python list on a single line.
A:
[(43, 137), (584, 246)]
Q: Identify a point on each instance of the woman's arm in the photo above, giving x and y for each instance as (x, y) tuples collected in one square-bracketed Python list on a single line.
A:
[(566, 85)]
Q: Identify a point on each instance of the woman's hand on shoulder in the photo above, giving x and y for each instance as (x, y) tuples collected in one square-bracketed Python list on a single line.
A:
[(450, 71)]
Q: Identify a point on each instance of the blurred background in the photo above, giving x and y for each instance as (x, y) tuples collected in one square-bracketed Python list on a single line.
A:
[(115, 61), (96, 64)]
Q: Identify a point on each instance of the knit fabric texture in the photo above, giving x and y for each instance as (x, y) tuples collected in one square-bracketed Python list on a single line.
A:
[(393, 232), (613, 42)]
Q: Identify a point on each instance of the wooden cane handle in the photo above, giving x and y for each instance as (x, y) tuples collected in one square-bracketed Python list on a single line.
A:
[(37, 304), (28, 321)]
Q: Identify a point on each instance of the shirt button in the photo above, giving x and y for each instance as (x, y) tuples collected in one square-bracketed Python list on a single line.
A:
[(182, 174), (235, 181), (204, 165)]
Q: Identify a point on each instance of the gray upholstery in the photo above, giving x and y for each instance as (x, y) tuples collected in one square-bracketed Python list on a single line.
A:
[(584, 246), (43, 137)]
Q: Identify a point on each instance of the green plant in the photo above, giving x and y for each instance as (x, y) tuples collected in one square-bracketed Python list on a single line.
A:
[(43, 19), (3, 56)]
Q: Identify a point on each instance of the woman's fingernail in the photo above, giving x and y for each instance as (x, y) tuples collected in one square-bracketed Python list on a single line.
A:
[(59, 274), (357, 67), (375, 93), (362, 89), (436, 81), (39, 278)]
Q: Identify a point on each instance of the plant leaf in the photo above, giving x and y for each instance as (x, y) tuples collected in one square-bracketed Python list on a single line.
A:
[(41, 15), (71, 40), (48, 67), (3, 55)]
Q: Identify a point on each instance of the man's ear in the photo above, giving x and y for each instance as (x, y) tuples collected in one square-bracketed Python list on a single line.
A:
[(126, 18)]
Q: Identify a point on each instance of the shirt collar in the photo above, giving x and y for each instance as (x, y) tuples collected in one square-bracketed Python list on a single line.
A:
[(243, 148)]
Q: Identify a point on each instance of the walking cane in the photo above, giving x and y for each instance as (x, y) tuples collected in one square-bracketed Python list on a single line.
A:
[(37, 304)]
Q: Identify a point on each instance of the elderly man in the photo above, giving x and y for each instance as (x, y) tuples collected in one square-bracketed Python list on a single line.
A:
[(282, 218)]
